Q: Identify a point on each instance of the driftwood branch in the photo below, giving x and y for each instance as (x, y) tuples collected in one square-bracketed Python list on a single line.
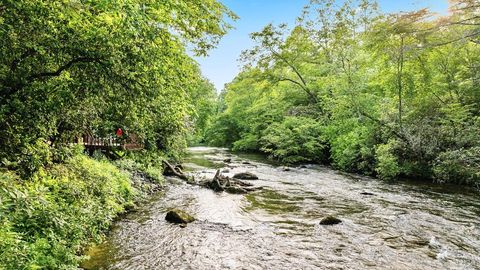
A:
[(219, 183), (175, 171)]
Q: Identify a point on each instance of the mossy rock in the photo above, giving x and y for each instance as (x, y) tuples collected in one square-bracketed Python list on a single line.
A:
[(235, 190), (179, 217), (330, 220), (245, 176)]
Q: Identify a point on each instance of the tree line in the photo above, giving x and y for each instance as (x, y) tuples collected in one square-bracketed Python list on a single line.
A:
[(389, 95)]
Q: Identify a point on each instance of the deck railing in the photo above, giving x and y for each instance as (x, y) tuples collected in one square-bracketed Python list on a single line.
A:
[(91, 142)]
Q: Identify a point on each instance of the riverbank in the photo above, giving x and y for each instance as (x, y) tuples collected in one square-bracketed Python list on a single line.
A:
[(415, 179), (49, 219)]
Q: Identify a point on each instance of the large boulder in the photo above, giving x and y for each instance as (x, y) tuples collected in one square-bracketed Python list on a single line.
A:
[(330, 220), (178, 216), (245, 176)]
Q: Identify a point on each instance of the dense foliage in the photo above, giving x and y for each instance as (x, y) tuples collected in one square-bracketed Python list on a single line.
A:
[(390, 95), (46, 221), (75, 67), (72, 67)]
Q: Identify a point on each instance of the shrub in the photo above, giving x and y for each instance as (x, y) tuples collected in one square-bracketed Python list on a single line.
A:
[(248, 142), (296, 139), (152, 170), (387, 166), (35, 156), (459, 166), (47, 219), (351, 149)]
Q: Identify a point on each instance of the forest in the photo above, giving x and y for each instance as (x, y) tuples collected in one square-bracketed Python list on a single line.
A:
[(69, 68), (388, 95), (394, 96)]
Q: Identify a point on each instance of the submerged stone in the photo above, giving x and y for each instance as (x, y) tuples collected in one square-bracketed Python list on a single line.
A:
[(227, 160), (245, 176), (367, 193), (178, 217), (330, 220)]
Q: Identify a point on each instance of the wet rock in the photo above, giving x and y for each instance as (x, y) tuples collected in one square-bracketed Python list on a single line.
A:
[(246, 163), (367, 193), (303, 167), (178, 216), (227, 160), (330, 220), (226, 171), (235, 190), (286, 169), (245, 176)]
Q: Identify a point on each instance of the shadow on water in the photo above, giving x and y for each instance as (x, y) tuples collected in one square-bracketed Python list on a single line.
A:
[(400, 225)]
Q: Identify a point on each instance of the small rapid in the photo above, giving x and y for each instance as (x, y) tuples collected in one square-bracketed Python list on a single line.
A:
[(384, 225)]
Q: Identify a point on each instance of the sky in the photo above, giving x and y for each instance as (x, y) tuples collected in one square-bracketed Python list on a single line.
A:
[(222, 65)]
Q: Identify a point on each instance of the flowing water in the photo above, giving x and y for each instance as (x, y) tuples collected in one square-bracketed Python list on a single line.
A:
[(385, 226)]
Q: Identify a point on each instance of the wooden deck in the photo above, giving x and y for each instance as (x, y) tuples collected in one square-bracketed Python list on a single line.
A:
[(111, 143)]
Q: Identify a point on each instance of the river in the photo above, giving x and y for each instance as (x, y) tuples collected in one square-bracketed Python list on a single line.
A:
[(385, 225)]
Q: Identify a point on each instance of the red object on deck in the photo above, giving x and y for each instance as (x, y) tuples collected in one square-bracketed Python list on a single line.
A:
[(119, 132)]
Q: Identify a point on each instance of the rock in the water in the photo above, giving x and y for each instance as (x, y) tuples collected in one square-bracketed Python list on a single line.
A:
[(235, 190), (246, 163), (303, 167), (226, 171), (227, 160), (286, 169), (330, 220), (178, 217), (245, 176), (367, 193)]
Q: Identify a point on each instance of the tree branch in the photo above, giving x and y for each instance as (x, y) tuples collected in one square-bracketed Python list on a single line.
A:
[(474, 34), (303, 83), (61, 69)]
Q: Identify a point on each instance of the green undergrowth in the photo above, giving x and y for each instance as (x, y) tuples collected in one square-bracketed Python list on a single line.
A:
[(48, 219)]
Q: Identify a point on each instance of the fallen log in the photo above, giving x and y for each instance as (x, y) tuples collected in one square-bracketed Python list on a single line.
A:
[(219, 183), (176, 171)]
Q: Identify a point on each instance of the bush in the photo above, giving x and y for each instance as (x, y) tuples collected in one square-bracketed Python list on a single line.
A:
[(48, 219), (351, 149), (249, 142), (35, 156), (152, 170), (459, 166), (296, 139), (387, 166)]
